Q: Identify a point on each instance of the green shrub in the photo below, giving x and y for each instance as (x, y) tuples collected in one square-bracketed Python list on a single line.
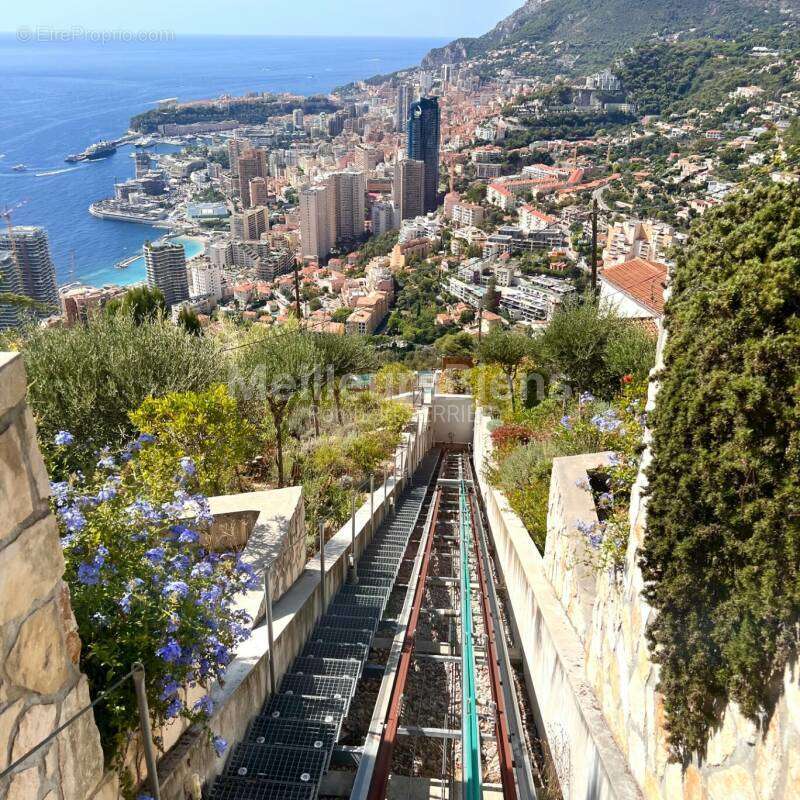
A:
[(721, 558), (88, 378)]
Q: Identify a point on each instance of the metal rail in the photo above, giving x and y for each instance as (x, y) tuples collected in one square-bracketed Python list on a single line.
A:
[(470, 731)]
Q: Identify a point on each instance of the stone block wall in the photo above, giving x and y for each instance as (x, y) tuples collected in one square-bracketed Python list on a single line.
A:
[(40, 683)]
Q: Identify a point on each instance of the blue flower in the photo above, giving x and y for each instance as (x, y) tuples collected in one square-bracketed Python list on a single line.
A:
[(60, 491), (205, 705), (106, 493), (155, 555), (106, 460), (170, 652), (89, 574), (125, 602), (586, 397), (220, 745), (169, 688), (178, 588), (174, 708), (145, 797), (63, 439), (187, 466), (73, 518), (188, 536), (203, 569), (180, 563), (211, 596), (565, 423), (145, 438)]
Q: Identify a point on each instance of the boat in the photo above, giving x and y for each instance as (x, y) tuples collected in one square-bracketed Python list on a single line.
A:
[(93, 152), (19, 168), (144, 141)]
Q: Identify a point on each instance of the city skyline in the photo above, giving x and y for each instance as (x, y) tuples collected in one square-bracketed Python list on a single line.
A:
[(447, 18)]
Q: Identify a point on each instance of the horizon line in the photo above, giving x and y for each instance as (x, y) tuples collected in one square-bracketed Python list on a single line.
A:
[(448, 37)]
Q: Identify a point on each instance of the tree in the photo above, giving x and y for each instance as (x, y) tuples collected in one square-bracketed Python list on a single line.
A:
[(189, 321), (340, 357), (88, 378), (394, 378), (277, 369), (721, 555), (204, 426), (491, 300), (509, 351), (592, 347), (459, 345), (466, 316), (341, 314), (142, 302)]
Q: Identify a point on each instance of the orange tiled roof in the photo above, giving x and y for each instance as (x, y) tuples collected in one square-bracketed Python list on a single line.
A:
[(641, 280)]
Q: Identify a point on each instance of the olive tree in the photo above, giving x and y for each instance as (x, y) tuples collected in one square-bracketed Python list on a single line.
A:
[(509, 351)]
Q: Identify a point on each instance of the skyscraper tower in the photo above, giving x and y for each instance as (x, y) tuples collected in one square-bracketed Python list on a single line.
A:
[(11, 314), (346, 205), (251, 164), (166, 270), (409, 188), (315, 233), (423, 145), (31, 249), (401, 109)]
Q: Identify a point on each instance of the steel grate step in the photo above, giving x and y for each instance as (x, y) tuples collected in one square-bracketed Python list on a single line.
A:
[(318, 686), (294, 733), (336, 667), (358, 652), (227, 787), (337, 635), (295, 706), (293, 764)]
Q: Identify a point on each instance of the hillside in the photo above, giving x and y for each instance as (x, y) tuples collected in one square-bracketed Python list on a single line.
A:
[(577, 36)]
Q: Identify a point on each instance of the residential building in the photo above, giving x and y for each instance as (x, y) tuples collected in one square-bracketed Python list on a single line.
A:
[(409, 188), (142, 163), (79, 302), (346, 205), (401, 107), (298, 118), (467, 214), (368, 157), (250, 224), (259, 195), (423, 139), (498, 195), (251, 164), (531, 219), (12, 315), (632, 239), (315, 233), (166, 270), (205, 280), (384, 218), (635, 288), (30, 248)]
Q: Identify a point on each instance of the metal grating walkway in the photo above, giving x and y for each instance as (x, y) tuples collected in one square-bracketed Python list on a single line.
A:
[(288, 746)]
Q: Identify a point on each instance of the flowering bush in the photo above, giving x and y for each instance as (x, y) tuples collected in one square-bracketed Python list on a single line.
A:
[(511, 435), (144, 589)]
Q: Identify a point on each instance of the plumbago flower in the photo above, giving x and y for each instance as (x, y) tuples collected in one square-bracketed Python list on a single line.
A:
[(145, 589)]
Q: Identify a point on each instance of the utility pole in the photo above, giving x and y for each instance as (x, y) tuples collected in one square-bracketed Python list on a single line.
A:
[(594, 246), (297, 291), (480, 322)]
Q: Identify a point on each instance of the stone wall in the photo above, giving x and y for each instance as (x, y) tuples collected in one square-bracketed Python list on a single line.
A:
[(40, 683)]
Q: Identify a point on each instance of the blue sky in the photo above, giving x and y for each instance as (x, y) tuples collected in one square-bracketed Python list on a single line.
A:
[(426, 18)]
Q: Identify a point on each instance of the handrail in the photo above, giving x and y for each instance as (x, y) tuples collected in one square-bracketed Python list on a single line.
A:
[(49, 738), (137, 673)]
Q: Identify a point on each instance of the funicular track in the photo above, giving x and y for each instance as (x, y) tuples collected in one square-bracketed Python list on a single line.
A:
[(406, 677)]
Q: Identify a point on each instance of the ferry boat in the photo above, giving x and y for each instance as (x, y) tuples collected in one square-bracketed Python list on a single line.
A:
[(19, 168), (93, 152)]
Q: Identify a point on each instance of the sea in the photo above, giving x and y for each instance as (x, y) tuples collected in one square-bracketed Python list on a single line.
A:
[(58, 97)]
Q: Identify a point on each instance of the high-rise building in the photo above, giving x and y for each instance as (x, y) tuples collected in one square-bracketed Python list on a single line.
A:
[(383, 218), (206, 280), (252, 163), (11, 314), (31, 250), (368, 157), (409, 188), (423, 145), (315, 233), (346, 204), (142, 163), (166, 270), (250, 224), (236, 147), (298, 119), (401, 109), (258, 192)]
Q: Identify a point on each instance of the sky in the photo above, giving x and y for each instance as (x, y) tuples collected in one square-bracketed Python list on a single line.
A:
[(423, 18)]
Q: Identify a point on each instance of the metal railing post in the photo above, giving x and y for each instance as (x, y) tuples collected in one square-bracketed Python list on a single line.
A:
[(385, 490), (353, 570), (147, 734), (371, 506), (268, 604), (322, 563)]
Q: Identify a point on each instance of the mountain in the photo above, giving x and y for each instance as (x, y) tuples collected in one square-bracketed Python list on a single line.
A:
[(577, 36)]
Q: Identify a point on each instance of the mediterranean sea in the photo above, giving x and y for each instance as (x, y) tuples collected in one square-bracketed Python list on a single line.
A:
[(59, 97)]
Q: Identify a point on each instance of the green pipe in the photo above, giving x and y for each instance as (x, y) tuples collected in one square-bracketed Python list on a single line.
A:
[(470, 733)]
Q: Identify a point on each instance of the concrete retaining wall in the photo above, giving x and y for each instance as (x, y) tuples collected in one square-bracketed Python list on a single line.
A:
[(589, 764)]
